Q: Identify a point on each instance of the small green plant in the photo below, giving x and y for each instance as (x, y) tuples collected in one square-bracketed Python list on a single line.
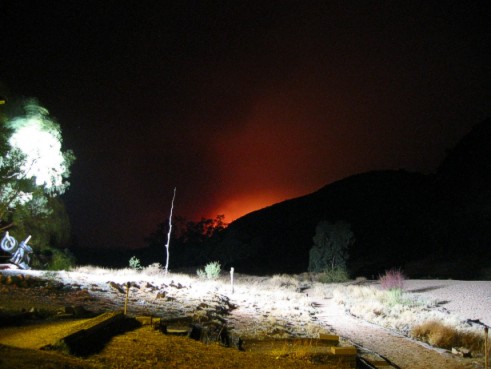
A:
[(396, 296), (135, 263), (212, 271), (335, 275)]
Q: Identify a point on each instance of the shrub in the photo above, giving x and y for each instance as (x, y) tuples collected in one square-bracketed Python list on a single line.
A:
[(211, 272), (50, 258), (135, 263), (393, 279), (284, 280), (336, 275), (154, 269), (331, 244), (440, 335), (60, 260)]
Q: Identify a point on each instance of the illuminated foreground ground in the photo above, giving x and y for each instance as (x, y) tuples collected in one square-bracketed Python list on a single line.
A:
[(274, 307)]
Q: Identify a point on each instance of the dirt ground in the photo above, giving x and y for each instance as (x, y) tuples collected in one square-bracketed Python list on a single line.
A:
[(304, 310), (148, 348)]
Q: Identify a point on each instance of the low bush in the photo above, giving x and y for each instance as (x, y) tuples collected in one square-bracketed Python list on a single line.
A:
[(335, 275), (50, 258), (392, 279), (135, 263), (60, 260), (212, 271), (441, 335)]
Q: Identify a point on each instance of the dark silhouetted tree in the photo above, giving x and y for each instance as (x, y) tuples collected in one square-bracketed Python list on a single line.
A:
[(331, 245), (191, 240)]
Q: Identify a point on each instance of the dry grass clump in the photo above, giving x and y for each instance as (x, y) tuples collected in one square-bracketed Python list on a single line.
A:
[(394, 309), (335, 275), (283, 281), (442, 335), (155, 269)]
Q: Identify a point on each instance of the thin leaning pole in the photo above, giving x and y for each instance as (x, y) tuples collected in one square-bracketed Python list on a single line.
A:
[(166, 269)]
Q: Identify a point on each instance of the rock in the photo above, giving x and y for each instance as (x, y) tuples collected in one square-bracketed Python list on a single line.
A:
[(33, 310), (461, 351), (147, 320), (75, 311), (161, 326), (178, 285), (196, 332), (117, 287), (150, 286)]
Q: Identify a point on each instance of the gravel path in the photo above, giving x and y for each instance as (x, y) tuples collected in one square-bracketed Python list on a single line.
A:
[(401, 351)]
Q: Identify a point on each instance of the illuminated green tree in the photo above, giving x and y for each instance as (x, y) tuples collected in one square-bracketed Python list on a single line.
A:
[(33, 167)]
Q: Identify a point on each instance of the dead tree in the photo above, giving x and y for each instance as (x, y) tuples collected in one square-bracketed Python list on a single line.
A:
[(166, 269)]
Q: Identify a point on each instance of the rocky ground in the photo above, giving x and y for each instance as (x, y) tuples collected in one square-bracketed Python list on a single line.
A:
[(277, 307)]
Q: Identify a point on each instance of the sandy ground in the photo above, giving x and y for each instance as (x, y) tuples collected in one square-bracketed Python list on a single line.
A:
[(468, 299), (285, 308)]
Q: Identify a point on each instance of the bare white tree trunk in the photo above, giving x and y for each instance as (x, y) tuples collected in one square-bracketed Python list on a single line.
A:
[(166, 269)]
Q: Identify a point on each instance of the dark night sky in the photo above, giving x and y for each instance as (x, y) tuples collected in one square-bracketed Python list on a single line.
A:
[(241, 104)]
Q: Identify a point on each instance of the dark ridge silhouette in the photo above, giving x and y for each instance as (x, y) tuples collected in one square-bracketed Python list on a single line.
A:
[(463, 194), (386, 210), (437, 225)]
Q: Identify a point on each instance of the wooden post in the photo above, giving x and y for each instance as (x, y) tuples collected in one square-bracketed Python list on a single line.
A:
[(486, 347), (232, 278), (128, 284)]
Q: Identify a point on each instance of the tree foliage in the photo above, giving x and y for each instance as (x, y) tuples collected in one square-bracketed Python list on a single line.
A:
[(191, 240), (34, 170), (331, 244)]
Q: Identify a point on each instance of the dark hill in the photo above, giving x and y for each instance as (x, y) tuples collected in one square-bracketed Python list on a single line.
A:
[(437, 225), (466, 171), (463, 193), (387, 211)]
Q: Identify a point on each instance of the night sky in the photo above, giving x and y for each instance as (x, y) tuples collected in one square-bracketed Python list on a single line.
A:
[(241, 104)]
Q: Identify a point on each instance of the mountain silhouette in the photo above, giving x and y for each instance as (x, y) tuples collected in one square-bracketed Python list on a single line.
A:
[(435, 225)]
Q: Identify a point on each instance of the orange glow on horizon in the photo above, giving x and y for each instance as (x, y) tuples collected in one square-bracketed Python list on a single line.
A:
[(238, 207)]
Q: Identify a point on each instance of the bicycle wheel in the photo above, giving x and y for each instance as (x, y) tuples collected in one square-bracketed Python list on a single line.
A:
[(8, 243)]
